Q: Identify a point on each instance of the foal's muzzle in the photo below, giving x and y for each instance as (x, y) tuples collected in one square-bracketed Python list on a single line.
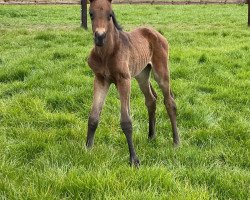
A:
[(100, 38)]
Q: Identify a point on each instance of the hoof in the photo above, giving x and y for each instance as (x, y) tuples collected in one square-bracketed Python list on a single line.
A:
[(176, 144), (89, 145), (151, 137), (135, 162)]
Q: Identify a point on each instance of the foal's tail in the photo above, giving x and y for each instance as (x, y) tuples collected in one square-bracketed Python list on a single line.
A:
[(172, 94), (155, 94), (153, 91)]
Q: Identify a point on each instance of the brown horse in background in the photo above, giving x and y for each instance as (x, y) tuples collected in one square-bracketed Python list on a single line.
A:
[(116, 58)]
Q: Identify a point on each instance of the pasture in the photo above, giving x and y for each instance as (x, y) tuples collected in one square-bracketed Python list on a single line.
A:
[(46, 95)]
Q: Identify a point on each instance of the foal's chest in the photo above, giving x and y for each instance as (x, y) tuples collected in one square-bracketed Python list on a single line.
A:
[(112, 73), (105, 73)]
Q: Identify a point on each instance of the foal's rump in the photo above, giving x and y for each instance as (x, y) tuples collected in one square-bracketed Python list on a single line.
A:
[(154, 37)]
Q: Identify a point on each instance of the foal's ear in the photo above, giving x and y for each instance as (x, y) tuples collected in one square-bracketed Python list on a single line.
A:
[(110, 1)]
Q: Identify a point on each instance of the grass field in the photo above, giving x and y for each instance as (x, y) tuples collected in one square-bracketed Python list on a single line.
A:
[(46, 94)]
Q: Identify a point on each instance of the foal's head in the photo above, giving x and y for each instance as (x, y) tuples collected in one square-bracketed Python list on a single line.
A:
[(102, 18)]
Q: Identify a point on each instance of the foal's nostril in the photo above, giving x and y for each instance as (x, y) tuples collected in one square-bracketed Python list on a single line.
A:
[(99, 38)]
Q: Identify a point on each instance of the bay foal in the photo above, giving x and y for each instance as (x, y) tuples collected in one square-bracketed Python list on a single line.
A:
[(117, 57)]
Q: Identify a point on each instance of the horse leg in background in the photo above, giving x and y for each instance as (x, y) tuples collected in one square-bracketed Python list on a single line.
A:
[(123, 86), (161, 73), (150, 98), (100, 92)]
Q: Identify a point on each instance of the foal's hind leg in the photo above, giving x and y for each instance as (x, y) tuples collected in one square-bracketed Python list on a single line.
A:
[(150, 98), (161, 74)]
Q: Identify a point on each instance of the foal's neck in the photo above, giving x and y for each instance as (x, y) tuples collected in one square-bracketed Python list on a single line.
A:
[(110, 44)]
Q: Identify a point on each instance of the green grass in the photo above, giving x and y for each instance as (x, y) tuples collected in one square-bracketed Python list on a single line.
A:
[(46, 94)]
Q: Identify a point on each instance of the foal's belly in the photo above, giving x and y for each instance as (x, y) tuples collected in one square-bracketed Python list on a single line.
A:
[(140, 52), (139, 58), (137, 67)]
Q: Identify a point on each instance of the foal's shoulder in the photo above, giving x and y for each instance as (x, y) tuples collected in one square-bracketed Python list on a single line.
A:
[(93, 59)]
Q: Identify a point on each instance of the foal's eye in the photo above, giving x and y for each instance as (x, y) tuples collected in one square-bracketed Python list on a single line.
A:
[(91, 16), (109, 16)]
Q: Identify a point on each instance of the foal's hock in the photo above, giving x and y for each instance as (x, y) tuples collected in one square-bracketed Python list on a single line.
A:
[(117, 57)]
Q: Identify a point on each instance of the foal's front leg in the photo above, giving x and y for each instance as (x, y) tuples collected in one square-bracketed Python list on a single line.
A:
[(100, 92), (123, 87)]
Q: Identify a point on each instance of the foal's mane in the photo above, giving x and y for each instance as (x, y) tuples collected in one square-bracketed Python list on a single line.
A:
[(115, 21)]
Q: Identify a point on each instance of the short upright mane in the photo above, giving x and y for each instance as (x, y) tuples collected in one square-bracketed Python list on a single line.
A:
[(115, 21)]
